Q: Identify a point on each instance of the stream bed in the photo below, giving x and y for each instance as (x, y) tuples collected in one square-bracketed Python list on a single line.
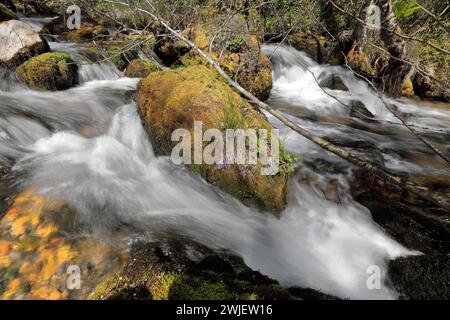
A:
[(87, 149)]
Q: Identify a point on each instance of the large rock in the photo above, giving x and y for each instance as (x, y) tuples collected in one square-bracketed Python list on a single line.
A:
[(175, 99), (6, 14), (186, 271), (49, 71), (333, 82), (19, 42), (252, 71), (424, 277)]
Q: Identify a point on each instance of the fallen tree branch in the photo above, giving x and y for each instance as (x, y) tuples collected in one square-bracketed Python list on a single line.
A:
[(381, 174), (396, 114)]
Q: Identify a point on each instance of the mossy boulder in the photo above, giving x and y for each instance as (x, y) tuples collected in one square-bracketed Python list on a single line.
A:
[(167, 272), (87, 32), (6, 14), (252, 72), (49, 71), (139, 68), (333, 82), (174, 99), (423, 277), (255, 75)]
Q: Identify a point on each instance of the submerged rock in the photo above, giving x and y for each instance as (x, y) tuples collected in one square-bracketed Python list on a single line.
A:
[(6, 14), (333, 82), (320, 49), (49, 71), (19, 42), (175, 99), (359, 110), (139, 68)]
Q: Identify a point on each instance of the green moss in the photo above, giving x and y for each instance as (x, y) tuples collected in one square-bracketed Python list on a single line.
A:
[(175, 99), (236, 44), (87, 32), (142, 68), (232, 118), (29, 242), (193, 288), (121, 54), (161, 288), (49, 71)]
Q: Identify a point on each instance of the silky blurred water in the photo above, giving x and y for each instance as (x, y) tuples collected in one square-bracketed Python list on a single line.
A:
[(87, 147)]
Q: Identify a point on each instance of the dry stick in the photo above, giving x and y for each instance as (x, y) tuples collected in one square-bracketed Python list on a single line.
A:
[(346, 155), (391, 31)]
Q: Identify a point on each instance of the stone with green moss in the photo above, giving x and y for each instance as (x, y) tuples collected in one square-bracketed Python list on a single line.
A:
[(120, 53), (174, 99), (49, 71), (252, 72), (173, 274), (87, 32), (139, 68)]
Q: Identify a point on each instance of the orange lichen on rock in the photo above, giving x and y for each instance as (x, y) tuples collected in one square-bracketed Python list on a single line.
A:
[(35, 251)]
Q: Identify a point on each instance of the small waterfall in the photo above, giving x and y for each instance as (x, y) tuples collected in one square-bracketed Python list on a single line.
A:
[(37, 23), (89, 68), (296, 90)]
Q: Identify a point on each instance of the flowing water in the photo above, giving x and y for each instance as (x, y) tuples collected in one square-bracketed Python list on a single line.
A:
[(87, 147)]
